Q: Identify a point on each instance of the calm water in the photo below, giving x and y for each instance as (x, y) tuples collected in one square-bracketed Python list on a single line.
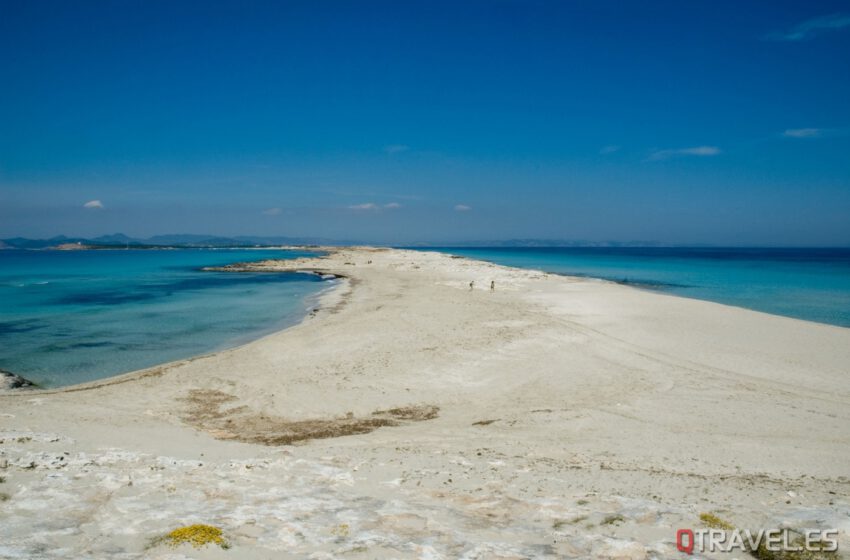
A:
[(73, 316), (811, 284)]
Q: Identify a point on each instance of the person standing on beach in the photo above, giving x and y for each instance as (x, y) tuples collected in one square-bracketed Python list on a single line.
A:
[(471, 285), (492, 285)]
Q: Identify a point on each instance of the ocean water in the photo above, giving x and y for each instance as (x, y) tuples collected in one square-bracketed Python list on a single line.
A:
[(810, 284), (72, 316)]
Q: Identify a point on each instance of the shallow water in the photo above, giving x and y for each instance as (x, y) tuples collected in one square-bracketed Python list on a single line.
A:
[(72, 316), (810, 284)]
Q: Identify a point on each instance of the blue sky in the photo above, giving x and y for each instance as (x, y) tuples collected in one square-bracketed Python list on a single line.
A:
[(678, 122)]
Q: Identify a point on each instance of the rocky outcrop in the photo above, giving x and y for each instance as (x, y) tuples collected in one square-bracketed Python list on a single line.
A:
[(10, 381)]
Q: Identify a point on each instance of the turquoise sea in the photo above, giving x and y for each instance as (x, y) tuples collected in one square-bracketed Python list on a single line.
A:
[(72, 316), (811, 284)]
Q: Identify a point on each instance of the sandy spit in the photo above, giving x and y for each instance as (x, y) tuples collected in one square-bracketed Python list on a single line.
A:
[(414, 417)]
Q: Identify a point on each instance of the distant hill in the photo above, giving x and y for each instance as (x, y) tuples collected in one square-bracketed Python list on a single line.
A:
[(193, 240), (118, 240), (115, 239)]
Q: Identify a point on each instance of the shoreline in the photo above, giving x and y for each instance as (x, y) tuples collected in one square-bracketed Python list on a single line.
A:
[(346, 285), (30, 387), (556, 416), (322, 298), (273, 265)]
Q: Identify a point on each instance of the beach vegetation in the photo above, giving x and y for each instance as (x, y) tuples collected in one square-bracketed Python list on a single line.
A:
[(197, 535), (612, 519), (713, 522), (762, 552), (4, 497), (561, 523)]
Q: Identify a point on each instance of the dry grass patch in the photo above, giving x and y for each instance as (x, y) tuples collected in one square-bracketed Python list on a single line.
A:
[(206, 410)]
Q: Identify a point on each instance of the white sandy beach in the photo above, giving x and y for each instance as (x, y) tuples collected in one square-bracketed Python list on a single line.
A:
[(410, 417)]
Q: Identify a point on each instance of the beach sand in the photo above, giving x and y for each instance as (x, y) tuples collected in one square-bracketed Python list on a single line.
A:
[(412, 417)]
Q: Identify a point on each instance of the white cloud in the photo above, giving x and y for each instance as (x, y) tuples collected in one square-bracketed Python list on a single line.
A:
[(396, 148), (364, 206), (372, 207), (701, 151), (272, 211), (609, 150), (811, 28), (802, 133), (462, 208), (94, 204)]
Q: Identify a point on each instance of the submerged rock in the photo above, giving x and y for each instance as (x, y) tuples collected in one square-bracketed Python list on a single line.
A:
[(9, 381)]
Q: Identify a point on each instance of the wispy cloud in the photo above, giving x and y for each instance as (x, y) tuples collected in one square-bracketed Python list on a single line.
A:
[(371, 206), (702, 151), (364, 206), (811, 27), (272, 211), (802, 133), (609, 150), (462, 208), (95, 204), (396, 148)]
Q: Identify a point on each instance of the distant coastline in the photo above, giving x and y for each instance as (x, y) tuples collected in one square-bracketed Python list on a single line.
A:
[(170, 241), (90, 247)]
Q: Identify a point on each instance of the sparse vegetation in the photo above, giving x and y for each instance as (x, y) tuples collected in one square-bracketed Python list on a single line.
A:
[(612, 519), (206, 410), (713, 522), (4, 497), (561, 523), (197, 535), (342, 530), (761, 552)]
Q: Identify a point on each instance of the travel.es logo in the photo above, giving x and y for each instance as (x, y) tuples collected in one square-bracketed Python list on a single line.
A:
[(745, 541)]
